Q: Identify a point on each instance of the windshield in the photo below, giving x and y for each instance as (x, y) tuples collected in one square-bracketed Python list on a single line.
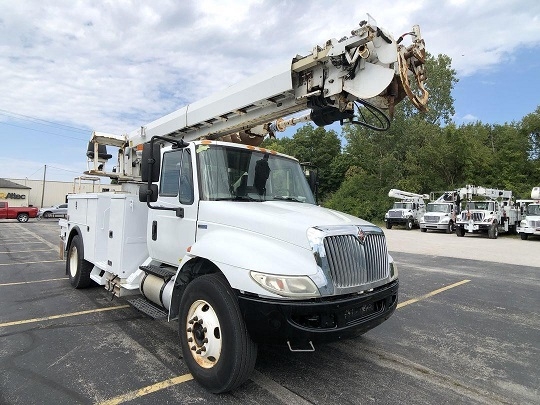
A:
[(481, 205), (533, 209), (404, 206), (228, 173), (447, 208)]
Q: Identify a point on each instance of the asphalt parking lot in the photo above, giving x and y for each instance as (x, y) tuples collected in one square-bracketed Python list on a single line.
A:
[(465, 332)]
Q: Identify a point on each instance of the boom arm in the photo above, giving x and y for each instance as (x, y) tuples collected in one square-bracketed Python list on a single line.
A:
[(404, 195), (469, 191), (368, 68)]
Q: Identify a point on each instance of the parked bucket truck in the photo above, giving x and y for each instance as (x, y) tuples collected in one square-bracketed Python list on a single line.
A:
[(441, 213), (407, 211), (487, 210), (225, 236), (530, 224)]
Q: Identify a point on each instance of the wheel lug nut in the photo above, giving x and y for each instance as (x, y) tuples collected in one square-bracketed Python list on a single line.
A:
[(193, 348), (190, 340), (189, 329), (205, 340)]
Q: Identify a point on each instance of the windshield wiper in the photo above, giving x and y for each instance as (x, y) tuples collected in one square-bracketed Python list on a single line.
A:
[(287, 198), (236, 198)]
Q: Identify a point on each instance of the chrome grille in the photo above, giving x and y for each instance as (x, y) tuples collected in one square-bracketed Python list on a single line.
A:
[(394, 214), (535, 224), (353, 263), (475, 216), (431, 218)]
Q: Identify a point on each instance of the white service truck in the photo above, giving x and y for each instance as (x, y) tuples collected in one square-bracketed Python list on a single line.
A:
[(225, 236), (530, 224), (440, 214), (408, 211), (491, 211)]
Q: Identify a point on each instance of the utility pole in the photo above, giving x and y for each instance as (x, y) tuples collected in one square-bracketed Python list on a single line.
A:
[(43, 188)]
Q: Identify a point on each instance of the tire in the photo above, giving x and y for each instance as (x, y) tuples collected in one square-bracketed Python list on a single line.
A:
[(22, 217), (229, 356), (524, 236), (77, 268), (409, 224), (493, 231), (388, 225), (450, 227), (423, 229), (460, 231), (47, 214)]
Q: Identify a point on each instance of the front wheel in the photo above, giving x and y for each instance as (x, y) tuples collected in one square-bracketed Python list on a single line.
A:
[(450, 227), (460, 231), (493, 231), (215, 342), (524, 235), (423, 229), (78, 269), (22, 217), (388, 225), (409, 225)]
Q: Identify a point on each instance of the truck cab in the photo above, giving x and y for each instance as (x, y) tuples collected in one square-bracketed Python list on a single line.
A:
[(438, 216), (530, 224)]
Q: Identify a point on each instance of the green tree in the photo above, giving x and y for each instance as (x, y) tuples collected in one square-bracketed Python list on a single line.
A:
[(319, 147)]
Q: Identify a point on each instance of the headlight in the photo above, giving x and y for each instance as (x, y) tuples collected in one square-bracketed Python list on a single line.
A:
[(293, 287), (488, 219), (393, 271)]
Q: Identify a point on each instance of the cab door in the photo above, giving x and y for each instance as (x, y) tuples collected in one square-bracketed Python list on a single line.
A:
[(171, 232)]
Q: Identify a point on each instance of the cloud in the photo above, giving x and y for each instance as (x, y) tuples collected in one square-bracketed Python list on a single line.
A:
[(114, 66), (468, 118)]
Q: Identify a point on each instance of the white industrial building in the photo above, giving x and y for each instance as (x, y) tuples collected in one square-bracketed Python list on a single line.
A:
[(37, 193)]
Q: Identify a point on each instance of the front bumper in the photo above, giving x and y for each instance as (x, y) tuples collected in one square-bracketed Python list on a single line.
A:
[(476, 226), (433, 225), (528, 230), (299, 322), (399, 221)]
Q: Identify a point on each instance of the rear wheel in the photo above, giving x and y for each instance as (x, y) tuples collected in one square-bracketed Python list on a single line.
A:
[(78, 269), (215, 343), (47, 214), (22, 217)]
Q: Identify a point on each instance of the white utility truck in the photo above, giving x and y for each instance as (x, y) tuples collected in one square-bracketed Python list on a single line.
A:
[(530, 225), (492, 211), (407, 211), (223, 235), (440, 214)]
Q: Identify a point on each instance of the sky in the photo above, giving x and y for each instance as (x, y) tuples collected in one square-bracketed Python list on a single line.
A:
[(68, 68)]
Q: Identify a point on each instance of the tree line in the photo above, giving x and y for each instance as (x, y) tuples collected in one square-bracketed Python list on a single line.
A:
[(420, 153)]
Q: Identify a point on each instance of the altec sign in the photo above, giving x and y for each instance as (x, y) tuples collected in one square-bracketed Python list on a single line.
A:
[(13, 196)]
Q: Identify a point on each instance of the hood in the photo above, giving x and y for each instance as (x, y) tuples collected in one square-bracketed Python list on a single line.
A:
[(283, 220)]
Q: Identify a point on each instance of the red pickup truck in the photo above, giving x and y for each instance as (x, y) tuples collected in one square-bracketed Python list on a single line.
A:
[(20, 213)]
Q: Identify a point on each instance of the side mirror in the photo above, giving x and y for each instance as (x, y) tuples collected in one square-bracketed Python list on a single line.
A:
[(148, 194), (151, 162)]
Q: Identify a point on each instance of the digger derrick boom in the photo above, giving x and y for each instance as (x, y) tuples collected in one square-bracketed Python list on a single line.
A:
[(369, 67)]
